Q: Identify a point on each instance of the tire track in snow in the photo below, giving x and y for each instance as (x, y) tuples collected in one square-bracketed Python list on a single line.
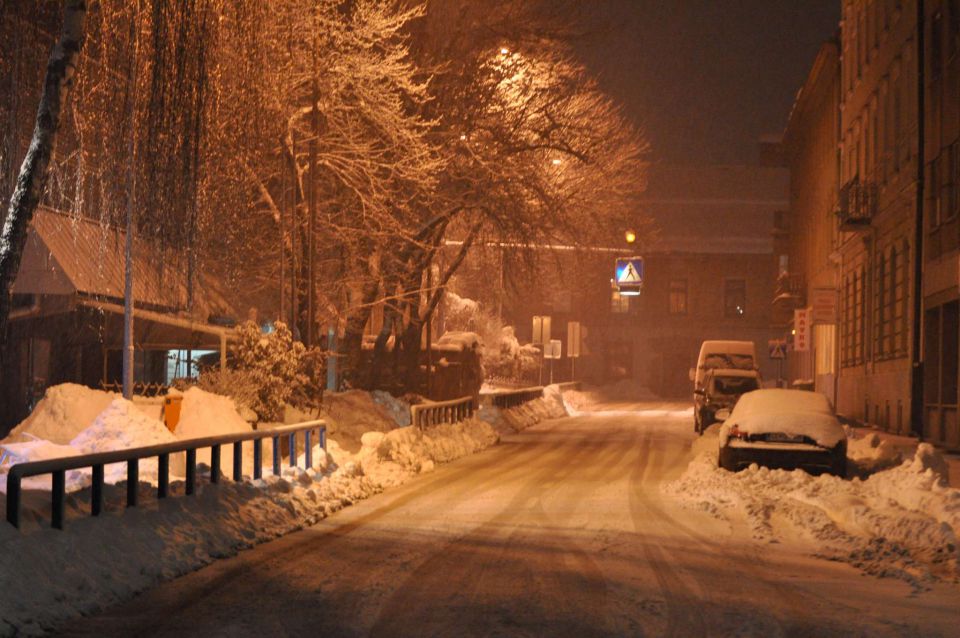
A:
[(684, 614), (493, 593)]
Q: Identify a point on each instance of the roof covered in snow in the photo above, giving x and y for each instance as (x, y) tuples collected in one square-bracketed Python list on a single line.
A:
[(67, 255)]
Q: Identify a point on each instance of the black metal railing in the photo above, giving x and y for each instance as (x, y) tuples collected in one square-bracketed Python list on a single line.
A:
[(513, 398), (453, 411), (57, 468), (857, 205)]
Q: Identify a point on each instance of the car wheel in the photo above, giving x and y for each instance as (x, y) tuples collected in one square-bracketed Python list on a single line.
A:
[(839, 467), (723, 461)]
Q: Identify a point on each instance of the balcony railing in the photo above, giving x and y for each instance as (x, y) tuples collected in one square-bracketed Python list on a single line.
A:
[(857, 205), (789, 291)]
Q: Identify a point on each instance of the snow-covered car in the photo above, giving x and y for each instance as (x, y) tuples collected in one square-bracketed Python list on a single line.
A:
[(786, 429), (721, 389)]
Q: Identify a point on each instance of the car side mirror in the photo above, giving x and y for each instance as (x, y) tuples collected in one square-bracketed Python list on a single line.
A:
[(692, 374), (722, 414)]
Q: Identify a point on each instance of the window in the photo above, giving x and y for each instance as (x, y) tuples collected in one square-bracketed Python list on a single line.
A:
[(734, 298), (678, 296), (880, 306)]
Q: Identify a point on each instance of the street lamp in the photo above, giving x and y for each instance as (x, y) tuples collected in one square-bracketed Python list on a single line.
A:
[(630, 236)]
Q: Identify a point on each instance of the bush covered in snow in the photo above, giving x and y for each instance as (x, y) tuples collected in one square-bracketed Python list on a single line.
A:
[(273, 363), (501, 353)]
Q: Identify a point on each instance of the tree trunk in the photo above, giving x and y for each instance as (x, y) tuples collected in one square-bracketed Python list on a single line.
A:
[(61, 68)]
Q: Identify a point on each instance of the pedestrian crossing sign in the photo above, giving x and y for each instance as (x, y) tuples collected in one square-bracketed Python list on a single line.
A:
[(629, 275), (778, 348)]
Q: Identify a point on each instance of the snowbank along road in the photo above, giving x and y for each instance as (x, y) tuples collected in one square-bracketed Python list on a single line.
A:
[(570, 528)]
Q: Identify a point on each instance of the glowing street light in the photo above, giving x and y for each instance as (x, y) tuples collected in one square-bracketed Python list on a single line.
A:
[(556, 161), (504, 51), (630, 236)]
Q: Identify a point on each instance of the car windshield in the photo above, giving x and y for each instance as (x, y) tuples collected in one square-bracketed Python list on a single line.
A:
[(734, 385), (727, 360)]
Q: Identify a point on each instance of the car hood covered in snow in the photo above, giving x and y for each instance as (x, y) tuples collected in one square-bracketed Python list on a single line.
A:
[(790, 412)]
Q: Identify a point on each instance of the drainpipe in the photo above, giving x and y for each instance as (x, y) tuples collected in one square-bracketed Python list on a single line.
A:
[(916, 385)]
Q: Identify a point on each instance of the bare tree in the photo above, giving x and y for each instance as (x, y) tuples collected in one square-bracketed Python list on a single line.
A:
[(61, 68)]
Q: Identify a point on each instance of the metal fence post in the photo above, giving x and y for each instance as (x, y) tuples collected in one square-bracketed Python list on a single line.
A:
[(276, 456), (323, 437), (59, 491), (191, 470), (96, 491), (307, 451), (163, 475), (257, 458), (133, 481), (238, 461), (215, 463), (13, 500), (293, 449)]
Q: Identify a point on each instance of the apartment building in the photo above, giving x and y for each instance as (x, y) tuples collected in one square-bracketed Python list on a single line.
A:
[(876, 210), (941, 264), (807, 236)]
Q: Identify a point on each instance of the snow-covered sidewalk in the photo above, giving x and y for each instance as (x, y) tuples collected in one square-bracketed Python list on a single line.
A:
[(904, 447)]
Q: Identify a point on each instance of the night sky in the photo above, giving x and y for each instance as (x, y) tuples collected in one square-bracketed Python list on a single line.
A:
[(707, 78)]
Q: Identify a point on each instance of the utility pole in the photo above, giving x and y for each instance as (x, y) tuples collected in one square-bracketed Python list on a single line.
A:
[(916, 385), (128, 345)]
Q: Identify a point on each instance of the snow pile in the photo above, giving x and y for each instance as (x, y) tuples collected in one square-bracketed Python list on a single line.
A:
[(204, 414), (625, 390), (398, 408), (869, 453), (120, 426), (352, 413), (64, 411), (550, 406), (390, 458), (457, 341), (901, 522)]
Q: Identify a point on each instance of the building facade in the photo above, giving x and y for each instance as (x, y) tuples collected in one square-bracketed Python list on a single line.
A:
[(941, 257), (807, 237), (709, 274), (877, 210)]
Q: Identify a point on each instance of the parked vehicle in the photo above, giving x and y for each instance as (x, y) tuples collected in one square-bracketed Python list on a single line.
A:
[(786, 429), (721, 389), (736, 355), (719, 355)]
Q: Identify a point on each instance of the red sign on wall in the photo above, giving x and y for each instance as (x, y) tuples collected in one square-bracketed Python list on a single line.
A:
[(801, 326)]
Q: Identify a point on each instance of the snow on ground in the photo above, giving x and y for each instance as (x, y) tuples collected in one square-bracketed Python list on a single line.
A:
[(98, 562), (900, 522), (63, 412), (550, 406)]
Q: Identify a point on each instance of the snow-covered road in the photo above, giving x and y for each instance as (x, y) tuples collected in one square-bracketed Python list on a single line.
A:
[(561, 530)]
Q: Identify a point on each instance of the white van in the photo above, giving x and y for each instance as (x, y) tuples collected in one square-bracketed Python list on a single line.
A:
[(730, 355)]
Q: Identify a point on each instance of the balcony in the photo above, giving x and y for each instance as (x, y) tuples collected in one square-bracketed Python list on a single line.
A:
[(857, 205), (789, 291), (788, 296)]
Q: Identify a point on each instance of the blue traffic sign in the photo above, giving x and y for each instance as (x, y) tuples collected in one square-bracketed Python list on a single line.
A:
[(629, 275)]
